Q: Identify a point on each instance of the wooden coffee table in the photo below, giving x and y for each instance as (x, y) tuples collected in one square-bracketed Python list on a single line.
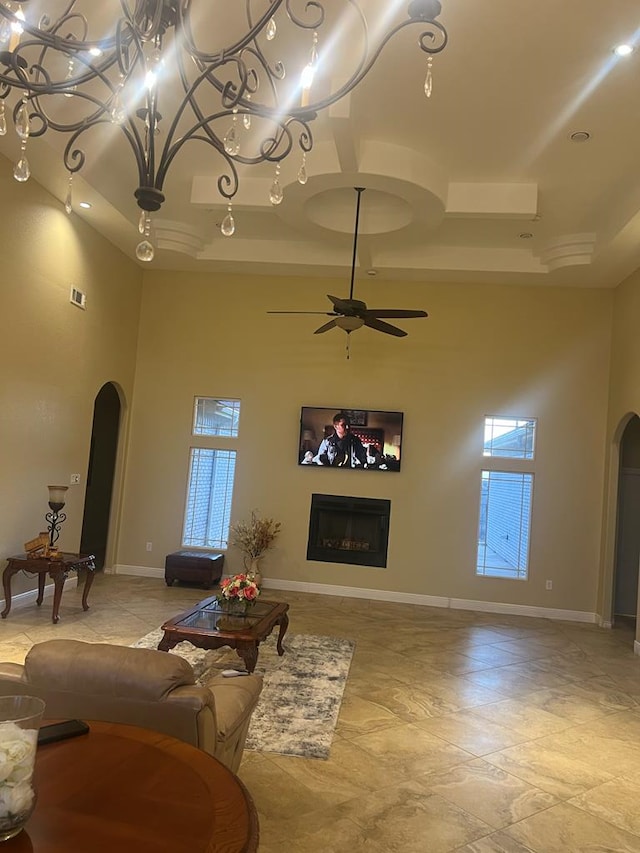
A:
[(207, 626)]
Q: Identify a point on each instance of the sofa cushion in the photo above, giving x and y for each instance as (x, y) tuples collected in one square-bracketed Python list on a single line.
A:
[(103, 669)]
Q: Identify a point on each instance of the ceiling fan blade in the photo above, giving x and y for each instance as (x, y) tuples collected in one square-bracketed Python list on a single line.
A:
[(387, 328), (323, 313), (327, 326), (394, 312)]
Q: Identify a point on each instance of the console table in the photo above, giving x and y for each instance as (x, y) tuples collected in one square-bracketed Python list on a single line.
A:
[(58, 570)]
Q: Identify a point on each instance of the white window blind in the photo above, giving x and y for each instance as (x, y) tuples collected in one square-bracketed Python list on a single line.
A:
[(505, 523), (209, 495)]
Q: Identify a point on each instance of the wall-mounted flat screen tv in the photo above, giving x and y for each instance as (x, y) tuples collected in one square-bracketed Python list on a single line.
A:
[(364, 439)]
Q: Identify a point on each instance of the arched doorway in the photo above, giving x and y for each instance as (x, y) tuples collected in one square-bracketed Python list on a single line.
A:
[(627, 553), (100, 473)]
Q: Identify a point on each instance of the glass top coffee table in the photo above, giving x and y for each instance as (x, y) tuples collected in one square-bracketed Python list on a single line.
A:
[(208, 626)]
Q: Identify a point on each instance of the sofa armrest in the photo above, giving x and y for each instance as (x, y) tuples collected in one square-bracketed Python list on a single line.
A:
[(235, 699), (12, 672)]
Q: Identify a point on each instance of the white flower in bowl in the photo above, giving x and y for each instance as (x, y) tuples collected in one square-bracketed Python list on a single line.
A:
[(17, 759)]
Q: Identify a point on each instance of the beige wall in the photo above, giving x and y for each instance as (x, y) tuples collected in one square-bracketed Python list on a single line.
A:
[(625, 356), (484, 350), (55, 357), (624, 401)]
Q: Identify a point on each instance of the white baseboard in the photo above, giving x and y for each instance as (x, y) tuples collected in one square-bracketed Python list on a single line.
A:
[(139, 571), (22, 599), (398, 597), (524, 610)]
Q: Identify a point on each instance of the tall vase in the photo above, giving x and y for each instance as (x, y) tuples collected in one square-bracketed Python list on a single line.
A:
[(19, 723), (253, 570)]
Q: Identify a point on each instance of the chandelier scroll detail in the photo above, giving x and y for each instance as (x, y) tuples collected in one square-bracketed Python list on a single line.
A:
[(143, 69)]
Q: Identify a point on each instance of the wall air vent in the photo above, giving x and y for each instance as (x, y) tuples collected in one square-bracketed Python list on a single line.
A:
[(78, 298)]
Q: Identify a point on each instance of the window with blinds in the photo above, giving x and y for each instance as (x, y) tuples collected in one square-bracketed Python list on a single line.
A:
[(505, 522), (208, 511), (506, 494), (211, 474)]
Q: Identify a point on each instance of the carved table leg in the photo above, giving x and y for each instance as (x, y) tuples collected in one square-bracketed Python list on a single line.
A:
[(284, 624), (166, 643), (249, 654), (41, 580), (59, 578), (87, 586), (9, 572)]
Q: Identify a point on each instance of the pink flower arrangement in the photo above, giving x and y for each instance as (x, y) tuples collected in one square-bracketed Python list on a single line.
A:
[(238, 588)]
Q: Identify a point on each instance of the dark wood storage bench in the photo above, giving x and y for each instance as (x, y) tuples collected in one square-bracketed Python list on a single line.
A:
[(194, 567)]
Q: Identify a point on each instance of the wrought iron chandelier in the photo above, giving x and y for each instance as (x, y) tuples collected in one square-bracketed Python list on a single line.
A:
[(145, 71)]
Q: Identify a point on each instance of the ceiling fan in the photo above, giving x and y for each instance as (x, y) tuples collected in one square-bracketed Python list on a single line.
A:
[(351, 314)]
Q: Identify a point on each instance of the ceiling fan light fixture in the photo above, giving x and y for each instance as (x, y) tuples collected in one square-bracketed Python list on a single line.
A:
[(349, 324)]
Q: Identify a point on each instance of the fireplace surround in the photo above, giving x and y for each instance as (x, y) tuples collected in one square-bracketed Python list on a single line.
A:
[(349, 530)]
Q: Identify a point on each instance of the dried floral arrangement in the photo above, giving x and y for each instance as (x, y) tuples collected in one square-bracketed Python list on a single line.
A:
[(255, 536)]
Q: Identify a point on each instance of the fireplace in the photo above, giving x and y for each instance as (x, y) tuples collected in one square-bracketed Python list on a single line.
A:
[(349, 530)]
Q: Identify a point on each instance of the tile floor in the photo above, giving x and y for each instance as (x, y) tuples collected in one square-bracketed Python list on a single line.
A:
[(459, 731)]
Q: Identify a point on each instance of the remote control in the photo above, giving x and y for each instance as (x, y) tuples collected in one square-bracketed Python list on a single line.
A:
[(61, 731), (232, 673)]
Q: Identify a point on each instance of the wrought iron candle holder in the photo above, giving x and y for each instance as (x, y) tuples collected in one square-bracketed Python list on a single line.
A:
[(55, 517)]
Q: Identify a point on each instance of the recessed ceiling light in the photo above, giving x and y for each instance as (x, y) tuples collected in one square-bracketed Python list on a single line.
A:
[(580, 136), (623, 49), (526, 235), (85, 205), (372, 272)]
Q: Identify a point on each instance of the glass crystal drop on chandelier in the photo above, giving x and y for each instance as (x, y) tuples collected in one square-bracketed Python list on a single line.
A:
[(271, 29), (276, 194), (117, 111), (246, 118), (228, 225), (22, 171), (302, 171), (3, 120), (145, 251), (23, 127), (68, 202), (232, 140), (428, 83), (70, 74)]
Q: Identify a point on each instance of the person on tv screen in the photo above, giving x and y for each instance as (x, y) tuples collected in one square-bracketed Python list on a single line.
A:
[(341, 449)]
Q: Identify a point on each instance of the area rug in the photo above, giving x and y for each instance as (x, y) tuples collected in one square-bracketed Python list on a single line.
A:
[(300, 701)]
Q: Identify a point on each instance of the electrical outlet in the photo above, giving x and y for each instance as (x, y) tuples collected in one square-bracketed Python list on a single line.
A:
[(549, 585), (74, 479), (149, 546)]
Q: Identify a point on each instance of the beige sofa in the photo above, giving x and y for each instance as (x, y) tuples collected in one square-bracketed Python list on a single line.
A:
[(142, 687)]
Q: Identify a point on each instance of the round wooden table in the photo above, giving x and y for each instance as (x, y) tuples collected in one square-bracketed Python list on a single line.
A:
[(123, 788)]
